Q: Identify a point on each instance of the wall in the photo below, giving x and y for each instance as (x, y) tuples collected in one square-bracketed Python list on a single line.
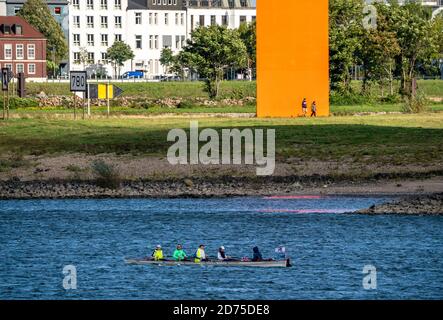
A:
[(292, 57)]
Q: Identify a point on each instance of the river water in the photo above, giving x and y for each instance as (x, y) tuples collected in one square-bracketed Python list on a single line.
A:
[(329, 249)]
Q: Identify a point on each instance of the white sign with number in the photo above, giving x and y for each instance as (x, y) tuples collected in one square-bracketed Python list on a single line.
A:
[(79, 81)]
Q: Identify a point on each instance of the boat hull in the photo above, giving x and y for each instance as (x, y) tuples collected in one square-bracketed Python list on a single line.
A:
[(256, 264)]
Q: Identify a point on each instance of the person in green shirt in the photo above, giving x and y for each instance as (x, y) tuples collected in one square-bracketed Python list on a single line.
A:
[(179, 253)]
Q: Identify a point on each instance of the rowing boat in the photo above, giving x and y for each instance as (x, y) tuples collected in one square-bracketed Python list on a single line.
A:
[(258, 264)]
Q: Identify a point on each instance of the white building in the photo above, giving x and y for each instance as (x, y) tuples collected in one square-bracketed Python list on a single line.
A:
[(94, 25), (2, 7), (228, 13), (147, 26), (151, 26)]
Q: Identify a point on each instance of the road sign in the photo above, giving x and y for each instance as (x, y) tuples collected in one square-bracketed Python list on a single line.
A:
[(98, 91), (5, 79), (79, 81)]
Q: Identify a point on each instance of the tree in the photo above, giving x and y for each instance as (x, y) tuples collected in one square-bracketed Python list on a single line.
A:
[(210, 51), (37, 13), (83, 57), (167, 59), (417, 39), (248, 35), (345, 32), (119, 53), (379, 50)]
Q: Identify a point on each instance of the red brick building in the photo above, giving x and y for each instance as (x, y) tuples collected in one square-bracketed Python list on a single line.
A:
[(22, 48)]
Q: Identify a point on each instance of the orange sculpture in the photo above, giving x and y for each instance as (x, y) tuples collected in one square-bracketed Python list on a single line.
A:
[(292, 57)]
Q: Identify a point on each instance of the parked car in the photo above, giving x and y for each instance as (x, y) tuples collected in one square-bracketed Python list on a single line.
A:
[(133, 75)]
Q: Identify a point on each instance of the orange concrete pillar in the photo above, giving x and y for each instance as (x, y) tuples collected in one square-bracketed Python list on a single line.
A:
[(292, 57)]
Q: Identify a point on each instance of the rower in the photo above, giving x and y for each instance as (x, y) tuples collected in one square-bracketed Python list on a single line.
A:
[(200, 255), (179, 253), (221, 255), (157, 255), (256, 254), (280, 253)]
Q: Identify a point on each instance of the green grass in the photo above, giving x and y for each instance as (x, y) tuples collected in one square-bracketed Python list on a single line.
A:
[(349, 110), (156, 90), (389, 139), (433, 88)]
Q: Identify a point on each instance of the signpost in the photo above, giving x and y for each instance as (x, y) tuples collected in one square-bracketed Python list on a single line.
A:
[(79, 83), (104, 91), (5, 88)]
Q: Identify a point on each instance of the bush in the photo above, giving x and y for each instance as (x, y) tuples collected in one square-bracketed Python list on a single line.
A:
[(391, 99), (107, 175), (15, 103), (350, 99), (416, 104), (185, 105)]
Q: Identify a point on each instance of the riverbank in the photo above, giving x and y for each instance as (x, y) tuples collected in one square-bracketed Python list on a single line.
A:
[(413, 205), (218, 188)]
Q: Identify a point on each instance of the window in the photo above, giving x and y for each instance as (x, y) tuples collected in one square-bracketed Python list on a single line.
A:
[(118, 21), (76, 4), (31, 68), (225, 20), (213, 20), (76, 57), (76, 21), (138, 18), (150, 18), (177, 19), (91, 58), (167, 41), (242, 19), (76, 39), (8, 51), (90, 21), (104, 57), (57, 11), (90, 40), (8, 66), (90, 4), (201, 20), (166, 18), (182, 19), (104, 40), (151, 42), (16, 10), (6, 29), (118, 37), (155, 18), (19, 51), (20, 68), (18, 29), (104, 4), (177, 42), (31, 51), (104, 21), (118, 4), (156, 42), (138, 42)]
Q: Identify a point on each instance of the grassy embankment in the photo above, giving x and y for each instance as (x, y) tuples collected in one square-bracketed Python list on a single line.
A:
[(190, 92), (390, 139)]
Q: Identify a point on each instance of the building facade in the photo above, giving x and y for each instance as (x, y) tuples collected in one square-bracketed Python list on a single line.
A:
[(22, 48), (59, 9), (147, 26)]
